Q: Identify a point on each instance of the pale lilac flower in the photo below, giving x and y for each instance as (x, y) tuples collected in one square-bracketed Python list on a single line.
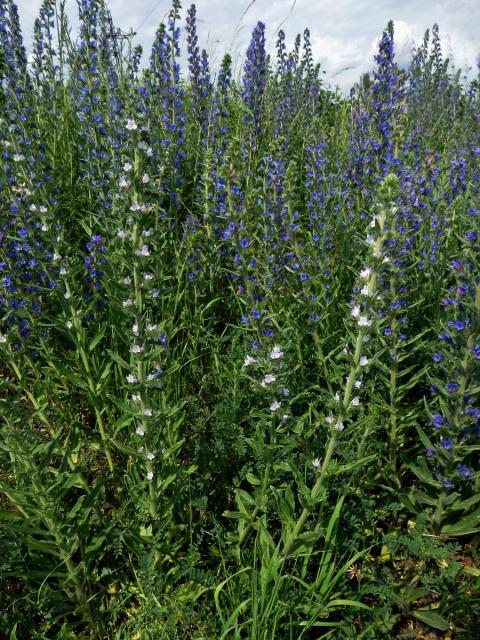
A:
[(151, 456), (365, 273), (329, 419), (145, 178), (131, 379), (139, 431), (248, 361), (339, 426), (135, 330), (131, 125), (276, 352), (128, 166), (357, 384), (356, 401), (123, 235), (355, 311), (363, 321), (137, 348), (363, 361), (317, 463), (127, 303), (275, 406), (148, 412), (144, 251), (268, 379), (150, 475), (127, 281)]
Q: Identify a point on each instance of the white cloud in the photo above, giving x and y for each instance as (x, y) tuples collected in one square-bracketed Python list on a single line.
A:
[(344, 33)]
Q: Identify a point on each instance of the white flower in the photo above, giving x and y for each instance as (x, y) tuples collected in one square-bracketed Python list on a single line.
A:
[(137, 348), (67, 295), (131, 125), (363, 321), (131, 379), (336, 397), (276, 352), (329, 419), (285, 392), (56, 256), (136, 397), (127, 303), (135, 330), (366, 291), (248, 361), (18, 157), (268, 379), (317, 463), (365, 273), (356, 401), (3, 338), (43, 209), (135, 206), (150, 475), (363, 361), (151, 456), (44, 227), (145, 178), (123, 182), (139, 431), (143, 251), (370, 240), (355, 311), (128, 166), (149, 152), (63, 271), (142, 145), (357, 384), (147, 233), (123, 235), (339, 426), (127, 281), (285, 417), (148, 412), (148, 276), (151, 327), (69, 324), (275, 406)]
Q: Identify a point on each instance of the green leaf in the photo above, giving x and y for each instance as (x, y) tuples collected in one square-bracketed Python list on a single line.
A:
[(98, 337), (253, 479), (423, 475), (348, 603), (432, 619)]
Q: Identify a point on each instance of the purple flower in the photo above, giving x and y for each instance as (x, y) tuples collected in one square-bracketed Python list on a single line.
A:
[(437, 420), (452, 387)]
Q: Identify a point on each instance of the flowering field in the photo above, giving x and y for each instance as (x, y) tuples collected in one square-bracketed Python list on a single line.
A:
[(239, 340)]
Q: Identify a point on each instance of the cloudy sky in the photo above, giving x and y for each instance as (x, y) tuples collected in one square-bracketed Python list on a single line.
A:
[(344, 33)]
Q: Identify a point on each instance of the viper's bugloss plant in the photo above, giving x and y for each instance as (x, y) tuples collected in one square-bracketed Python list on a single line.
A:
[(239, 337)]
